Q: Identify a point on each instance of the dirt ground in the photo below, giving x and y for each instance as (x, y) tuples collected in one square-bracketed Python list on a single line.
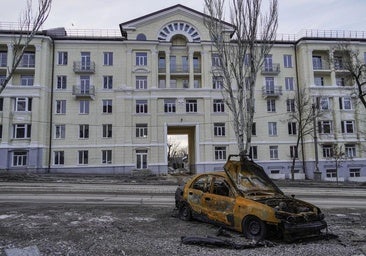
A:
[(147, 230)]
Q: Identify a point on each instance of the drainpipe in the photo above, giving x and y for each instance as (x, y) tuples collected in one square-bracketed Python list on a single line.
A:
[(51, 108)]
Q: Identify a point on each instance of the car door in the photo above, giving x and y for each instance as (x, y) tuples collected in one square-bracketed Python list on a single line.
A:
[(196, 191), (219, 202)]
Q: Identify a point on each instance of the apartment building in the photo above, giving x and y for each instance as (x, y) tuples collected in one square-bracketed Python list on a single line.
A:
[(106, 103)]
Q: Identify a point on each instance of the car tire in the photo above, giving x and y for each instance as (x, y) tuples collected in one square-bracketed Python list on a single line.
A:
[(254, 228), (185, 212)]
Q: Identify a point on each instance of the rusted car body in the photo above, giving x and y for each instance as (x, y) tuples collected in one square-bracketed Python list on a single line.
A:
[(245, 199)]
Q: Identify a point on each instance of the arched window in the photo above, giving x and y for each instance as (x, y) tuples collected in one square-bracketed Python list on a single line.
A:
[(141, 37), (179, 40)]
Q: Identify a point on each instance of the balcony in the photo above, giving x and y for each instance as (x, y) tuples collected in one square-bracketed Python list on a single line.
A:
[(274, 91), (82, 67), (179, 69), (273, 69), (83, 91)]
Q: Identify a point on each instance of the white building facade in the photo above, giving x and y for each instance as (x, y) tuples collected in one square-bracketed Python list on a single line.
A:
[(107, 103)]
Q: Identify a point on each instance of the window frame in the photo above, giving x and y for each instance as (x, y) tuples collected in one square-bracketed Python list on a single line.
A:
[(62, 58), (141, 130), (108, 82), (60, 131), (141, 107), (83, 157), (60, 108), (141, 58), (107, 131), (220, 153), (273, 152), (218, 106), (22, 131), (59, 157), (108, 58), (106, 156), (219, 129), (84, 131), (141, 159), (170, 106), (19, 158), (287, 60), (107, 106), (61, 82), (191, 106), (272, 128)]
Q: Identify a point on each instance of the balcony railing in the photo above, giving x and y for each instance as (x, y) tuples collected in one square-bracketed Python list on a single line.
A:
[(82, 91), (82, 67), (273, 69), (180, 69), (275, 91)]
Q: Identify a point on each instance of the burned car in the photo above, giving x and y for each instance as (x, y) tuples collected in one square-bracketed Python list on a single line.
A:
[(245, 199)]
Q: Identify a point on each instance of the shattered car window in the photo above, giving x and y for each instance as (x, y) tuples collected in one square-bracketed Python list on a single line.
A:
[(253, 183), (202, 184)]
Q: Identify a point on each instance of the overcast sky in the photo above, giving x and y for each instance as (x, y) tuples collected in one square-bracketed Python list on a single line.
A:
[(294, 15)]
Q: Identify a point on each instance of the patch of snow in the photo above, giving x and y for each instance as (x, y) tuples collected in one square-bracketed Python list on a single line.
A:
[(103, 219), (5, 216)]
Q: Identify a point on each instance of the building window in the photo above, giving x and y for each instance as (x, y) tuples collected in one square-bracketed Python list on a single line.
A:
[(191, 106), (220, 153), (340, 81), (319, 81), (355, 172), (253, 152), (28, 60), (141, 82), (217, 82), (273, 152), (270, 87), (331, 173), (196, 83), (62, 58), (83, 131), (290, 105), (60, 131), (254, 129), (271, 105), (141, 59), (107, 131), (325, 127), (292, 128), (83, 156), (106, 156), (59, 157), (141, 159), (3, 59), (108, 58), (287, 61), (268, 63), (61, 82), (84, 107), (27, 80), (20, 158), (216, 60), (272, 129), (324, 103), (169, 106), (317, 62), (141, 106), (22, 131), (293, 152), (107, 106), (60, 106), (2, 79), (328, 151), (345, 103), (247, 59), (338, 62), (289, 83), (85, 85), (218, 106), (23, 104), (141, 130), (219, 129), (350, 150), (348, 126), (108, 82)]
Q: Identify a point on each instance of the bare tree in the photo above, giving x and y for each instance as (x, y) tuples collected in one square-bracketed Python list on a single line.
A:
[(303, 111), (241, 52), (30, 24), (354, 63), (338, 156)]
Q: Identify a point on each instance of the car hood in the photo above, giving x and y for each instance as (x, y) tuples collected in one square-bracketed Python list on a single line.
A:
[(250, 178)]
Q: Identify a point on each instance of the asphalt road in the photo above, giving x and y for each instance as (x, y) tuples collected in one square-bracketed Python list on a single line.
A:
[(137, 194)]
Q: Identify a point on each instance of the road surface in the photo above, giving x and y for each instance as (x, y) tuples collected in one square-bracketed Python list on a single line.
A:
[(136, 194)]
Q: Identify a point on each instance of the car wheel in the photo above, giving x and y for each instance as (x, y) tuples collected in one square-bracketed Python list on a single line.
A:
[(254, 228), (185, 212)]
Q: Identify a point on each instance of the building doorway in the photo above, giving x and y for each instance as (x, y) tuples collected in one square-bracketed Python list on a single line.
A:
[(181, 149)]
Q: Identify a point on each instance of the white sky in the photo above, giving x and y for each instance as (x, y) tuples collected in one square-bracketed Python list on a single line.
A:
[(294, 15)]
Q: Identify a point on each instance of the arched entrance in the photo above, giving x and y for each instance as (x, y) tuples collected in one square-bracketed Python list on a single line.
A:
[(189, 132)]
